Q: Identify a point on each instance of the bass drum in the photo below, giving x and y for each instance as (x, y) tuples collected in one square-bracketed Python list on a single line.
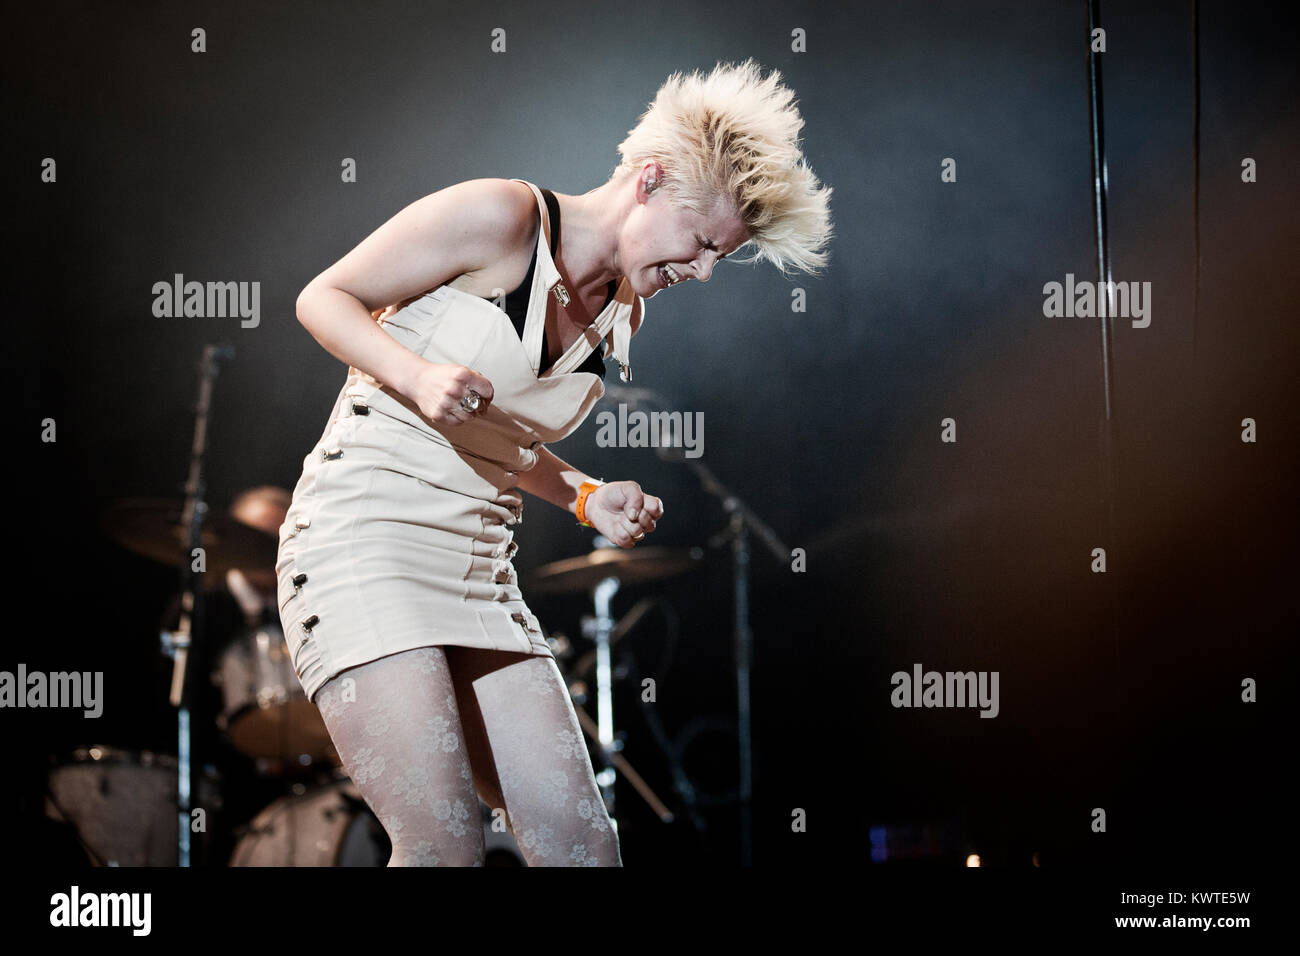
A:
[(121, 804), (327, 826), (332, 826)]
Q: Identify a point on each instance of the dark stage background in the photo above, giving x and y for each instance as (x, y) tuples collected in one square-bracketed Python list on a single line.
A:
[(1119, 690)]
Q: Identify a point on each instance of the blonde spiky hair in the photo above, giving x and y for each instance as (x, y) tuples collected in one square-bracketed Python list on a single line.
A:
[(734, 134)]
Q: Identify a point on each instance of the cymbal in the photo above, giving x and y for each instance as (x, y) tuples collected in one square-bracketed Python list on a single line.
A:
[(580, 574), (151, 528)]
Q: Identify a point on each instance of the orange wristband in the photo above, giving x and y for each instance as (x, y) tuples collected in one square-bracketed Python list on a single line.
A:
[(584, 490)]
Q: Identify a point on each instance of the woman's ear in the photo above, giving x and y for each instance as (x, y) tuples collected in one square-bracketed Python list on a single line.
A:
[(652, 177)]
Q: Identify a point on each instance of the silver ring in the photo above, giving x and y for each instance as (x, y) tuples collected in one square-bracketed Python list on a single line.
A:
[(471, 401)]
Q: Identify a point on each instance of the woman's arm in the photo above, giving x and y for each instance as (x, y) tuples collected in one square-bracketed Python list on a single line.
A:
[(346, 329), (459, 229), (620, 510), (555, 480)]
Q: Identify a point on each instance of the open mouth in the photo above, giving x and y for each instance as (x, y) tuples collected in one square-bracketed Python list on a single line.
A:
[(668, 276)]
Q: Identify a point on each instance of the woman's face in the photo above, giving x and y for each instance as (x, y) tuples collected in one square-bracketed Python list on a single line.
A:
[(664, 245)]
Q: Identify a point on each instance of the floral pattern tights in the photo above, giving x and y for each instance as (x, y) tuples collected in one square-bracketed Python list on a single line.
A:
[(426, 732)]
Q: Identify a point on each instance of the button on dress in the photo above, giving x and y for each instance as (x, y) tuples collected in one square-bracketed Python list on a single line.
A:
[(400, 534)]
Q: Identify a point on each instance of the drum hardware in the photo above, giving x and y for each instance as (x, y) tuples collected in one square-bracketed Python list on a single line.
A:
[(742, 521), (598, 629), (592, 730), (156, 530), (578, 691), (682, 783), (602, 572), (265, 714), (176, 644), (673, 751), (583, 665)]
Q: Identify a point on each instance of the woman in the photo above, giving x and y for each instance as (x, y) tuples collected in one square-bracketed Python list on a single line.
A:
[(400, 605)]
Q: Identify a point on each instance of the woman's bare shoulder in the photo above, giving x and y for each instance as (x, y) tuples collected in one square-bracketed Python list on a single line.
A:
[(506, 212), (504, 207), (460, 230)]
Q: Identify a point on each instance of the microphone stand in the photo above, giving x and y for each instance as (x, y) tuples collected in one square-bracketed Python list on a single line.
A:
[(176, 644), (742, 521)]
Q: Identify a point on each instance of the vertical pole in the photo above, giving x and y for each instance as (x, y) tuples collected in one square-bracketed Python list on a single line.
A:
[(743, 650), (1105, 302)]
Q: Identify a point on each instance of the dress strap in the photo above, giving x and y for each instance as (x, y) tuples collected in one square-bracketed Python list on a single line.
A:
[(545, 277), (546, 280)]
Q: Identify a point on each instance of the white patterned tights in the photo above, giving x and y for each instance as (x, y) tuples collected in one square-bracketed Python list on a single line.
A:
[(420, 731)]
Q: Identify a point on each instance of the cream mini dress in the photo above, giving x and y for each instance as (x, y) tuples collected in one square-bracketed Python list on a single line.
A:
[(400, 535)]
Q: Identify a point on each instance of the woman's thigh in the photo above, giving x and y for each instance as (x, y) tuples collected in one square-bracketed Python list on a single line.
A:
[(529, 758), (397, 729)]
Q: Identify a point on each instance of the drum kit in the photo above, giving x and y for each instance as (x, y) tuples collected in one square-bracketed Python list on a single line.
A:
[(122, 804), (130, 808)]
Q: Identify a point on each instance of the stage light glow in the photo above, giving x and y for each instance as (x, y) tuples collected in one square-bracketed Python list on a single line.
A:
[(973, 860)]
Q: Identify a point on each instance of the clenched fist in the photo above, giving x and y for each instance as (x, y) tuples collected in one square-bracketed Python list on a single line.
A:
[(440, 389), (622, 512)]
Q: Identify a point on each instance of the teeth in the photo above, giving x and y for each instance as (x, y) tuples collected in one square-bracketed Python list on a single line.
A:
[(673, 277)]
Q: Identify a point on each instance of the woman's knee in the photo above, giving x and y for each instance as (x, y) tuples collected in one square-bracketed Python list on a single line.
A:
[(398, 734), (580, 834), (443, 832), (438, 853), (606, 854)]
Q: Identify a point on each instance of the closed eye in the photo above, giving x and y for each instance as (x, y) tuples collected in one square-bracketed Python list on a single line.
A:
[(709, 244)]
